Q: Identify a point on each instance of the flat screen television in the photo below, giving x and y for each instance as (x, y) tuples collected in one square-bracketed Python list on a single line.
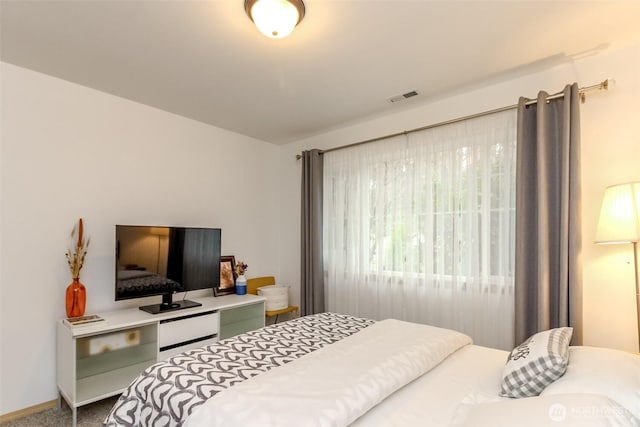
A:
[(154, 260)]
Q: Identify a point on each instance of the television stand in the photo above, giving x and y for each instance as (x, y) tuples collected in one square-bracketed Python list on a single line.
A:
[(85, 376), (172, 306)]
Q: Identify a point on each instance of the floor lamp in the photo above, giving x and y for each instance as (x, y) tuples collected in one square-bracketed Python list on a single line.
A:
[(160, 232), (619, 222)]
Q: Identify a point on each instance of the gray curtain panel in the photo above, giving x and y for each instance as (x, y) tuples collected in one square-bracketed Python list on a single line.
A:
[(548, 270), (311, 268)]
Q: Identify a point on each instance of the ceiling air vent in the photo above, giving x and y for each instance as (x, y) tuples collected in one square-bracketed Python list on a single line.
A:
[(403, 97)]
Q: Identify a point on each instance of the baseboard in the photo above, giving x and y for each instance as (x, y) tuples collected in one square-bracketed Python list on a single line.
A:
[(28, 411)]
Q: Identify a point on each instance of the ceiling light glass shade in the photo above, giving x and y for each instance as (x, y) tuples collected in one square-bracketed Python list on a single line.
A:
[(275, 18), (619, 220)]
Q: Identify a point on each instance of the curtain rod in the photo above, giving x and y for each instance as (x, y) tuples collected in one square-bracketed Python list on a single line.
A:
[(603, 85)]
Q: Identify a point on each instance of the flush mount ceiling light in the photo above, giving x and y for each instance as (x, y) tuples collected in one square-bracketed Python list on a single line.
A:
[(275, 18)]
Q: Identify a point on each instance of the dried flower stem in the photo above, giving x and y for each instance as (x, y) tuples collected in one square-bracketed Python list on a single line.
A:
[(78, 251)]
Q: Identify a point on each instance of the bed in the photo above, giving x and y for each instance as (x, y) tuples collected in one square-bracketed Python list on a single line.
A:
[(137, 283), (333, 370)]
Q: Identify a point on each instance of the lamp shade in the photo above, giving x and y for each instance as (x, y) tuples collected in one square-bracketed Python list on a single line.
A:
[(159, 231), (619, 220), (275, 18)]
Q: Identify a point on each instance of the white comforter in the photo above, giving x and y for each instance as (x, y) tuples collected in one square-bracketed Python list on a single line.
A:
[(337, 384)]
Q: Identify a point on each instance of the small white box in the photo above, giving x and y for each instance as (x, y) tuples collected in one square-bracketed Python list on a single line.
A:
[(277, 297)]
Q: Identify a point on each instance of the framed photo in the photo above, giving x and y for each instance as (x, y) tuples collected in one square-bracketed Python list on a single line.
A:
[(227, 276)]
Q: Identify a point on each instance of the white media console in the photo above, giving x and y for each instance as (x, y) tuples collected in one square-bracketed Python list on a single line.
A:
[(98, 360)]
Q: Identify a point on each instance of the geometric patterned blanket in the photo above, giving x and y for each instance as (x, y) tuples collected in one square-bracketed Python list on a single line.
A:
[(167, 392)]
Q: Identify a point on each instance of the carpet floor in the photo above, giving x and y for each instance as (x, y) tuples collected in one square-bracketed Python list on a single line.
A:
[(90, 415)]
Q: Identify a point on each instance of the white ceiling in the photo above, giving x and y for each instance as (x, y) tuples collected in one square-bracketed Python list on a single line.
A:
[(205, 59)]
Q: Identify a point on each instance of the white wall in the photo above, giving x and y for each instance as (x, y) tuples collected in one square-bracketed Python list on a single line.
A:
[(69, 152), (610, 153)]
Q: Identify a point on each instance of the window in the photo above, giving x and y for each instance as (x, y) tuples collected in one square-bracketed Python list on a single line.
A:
[(410, 216)]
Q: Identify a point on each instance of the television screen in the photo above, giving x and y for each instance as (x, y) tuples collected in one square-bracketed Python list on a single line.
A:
[(164, 260)]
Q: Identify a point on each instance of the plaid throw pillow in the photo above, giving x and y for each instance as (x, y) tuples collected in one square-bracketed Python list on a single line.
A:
[(536, 363)]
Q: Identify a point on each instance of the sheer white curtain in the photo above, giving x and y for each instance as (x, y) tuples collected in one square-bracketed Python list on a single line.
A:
[(421, 228)]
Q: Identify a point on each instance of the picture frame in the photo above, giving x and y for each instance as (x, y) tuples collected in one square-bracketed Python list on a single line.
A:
[(227, 276)]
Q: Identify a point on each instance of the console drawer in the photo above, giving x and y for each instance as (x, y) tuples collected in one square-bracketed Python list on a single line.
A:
[(183, 329), (165, 354)]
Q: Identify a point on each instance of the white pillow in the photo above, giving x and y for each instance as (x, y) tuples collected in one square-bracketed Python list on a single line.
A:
[(536, 363), (612, 373), (132, 274), (565, 410)]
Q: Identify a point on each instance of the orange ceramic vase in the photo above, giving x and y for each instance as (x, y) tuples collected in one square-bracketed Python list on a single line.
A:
[(76, 298)]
